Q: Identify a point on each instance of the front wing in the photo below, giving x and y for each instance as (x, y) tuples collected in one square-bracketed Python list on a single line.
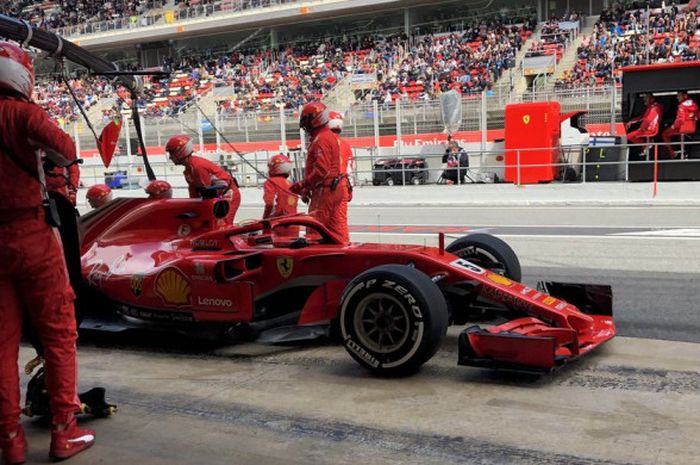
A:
[(531, 344)]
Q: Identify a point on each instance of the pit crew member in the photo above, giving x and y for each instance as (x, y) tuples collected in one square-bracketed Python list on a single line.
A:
[(649, 121), (685, 122), (324, 178), (347, 157), (98, 195), (33, 278), (278, 198), (201, 173), (158, 190)]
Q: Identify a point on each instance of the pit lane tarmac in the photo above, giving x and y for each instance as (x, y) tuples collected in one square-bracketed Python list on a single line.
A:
[(634, 401)]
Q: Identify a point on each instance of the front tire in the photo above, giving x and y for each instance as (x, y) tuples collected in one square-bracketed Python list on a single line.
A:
[(488, 252), (392, 319)]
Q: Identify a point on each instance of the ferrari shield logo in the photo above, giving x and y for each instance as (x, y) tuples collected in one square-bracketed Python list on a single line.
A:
[(526, 119), (285, 265), (136, 284)]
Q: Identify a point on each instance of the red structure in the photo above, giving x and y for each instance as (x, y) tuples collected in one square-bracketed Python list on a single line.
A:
[(532, 133)]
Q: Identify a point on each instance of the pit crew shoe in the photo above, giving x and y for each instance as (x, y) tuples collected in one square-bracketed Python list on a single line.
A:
[(14, 451), (72, 440)]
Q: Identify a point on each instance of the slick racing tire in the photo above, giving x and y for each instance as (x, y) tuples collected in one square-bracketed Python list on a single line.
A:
[(488, 252), (392, 319)]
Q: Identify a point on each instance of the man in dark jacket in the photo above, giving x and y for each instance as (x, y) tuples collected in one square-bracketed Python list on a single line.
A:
[(457, 161)]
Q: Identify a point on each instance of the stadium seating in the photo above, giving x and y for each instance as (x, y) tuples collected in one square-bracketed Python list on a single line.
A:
[(54, 14), (408, 68), (54, 96), (620, 38), (469, 61), (72, 17)]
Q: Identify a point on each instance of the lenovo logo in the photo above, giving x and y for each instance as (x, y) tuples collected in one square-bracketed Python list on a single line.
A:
[(212, 302)]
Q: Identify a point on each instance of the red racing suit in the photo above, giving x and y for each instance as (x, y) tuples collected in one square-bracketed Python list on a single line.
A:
[(685, 123), (200, 172), (33, 275), (324, 166), (65, 181), (347, 162), (650, 124), (280, 201)]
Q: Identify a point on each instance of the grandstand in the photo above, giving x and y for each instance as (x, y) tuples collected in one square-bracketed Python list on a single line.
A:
[(631, 36), (253, 63)]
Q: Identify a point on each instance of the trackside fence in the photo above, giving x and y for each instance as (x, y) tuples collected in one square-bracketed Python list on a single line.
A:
[(625, 162)]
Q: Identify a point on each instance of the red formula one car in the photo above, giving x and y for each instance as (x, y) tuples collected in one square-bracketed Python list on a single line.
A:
[(163, 263)]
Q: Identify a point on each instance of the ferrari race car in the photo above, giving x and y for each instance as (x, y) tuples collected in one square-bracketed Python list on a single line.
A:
[(166, 264)]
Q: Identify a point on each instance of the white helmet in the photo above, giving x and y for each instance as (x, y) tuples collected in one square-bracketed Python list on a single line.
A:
[(336, 121), (279, 165), (16, 69)]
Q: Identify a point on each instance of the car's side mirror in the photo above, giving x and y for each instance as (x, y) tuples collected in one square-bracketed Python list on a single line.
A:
[(221, 209)]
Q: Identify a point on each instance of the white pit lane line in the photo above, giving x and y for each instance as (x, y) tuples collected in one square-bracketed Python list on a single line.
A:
[(682, 233), (649, 235)]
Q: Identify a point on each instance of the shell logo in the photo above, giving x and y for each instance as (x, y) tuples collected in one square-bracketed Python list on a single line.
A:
[(498, 279), (173, 287)]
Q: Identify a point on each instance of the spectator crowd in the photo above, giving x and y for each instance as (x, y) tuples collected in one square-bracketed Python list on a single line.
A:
[(624, 37), (56, 99), (54, 14), (401, 67), (469, 61), (89, 16)]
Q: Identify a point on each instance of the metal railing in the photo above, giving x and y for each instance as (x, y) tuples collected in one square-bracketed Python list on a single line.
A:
[(648, 162)]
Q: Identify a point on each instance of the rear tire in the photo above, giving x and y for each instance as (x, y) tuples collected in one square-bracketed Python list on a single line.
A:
[(392, 319), (488, 252)]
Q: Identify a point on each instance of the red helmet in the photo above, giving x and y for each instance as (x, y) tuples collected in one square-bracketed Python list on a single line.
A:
[(279, 165), (179, 148), (158, 189), (16, 69), (98, 195), (336, 121), (313, 116)]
